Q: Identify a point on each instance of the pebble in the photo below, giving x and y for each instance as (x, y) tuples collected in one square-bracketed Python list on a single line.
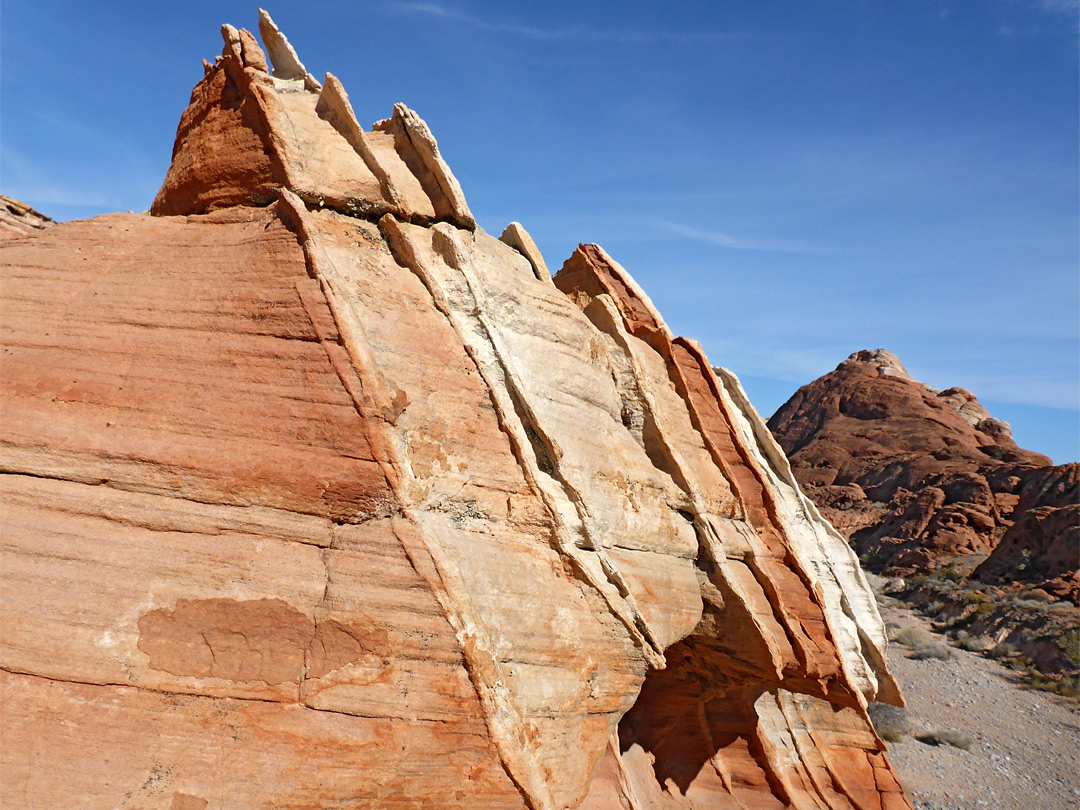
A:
[(1027, 744)]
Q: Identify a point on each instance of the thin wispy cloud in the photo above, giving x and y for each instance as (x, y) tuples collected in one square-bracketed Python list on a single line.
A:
[(732, 242), (44, 196), (1070, 7), (1049, 14), (27, 180), (1067, 7), (567, 33), (55, 118)]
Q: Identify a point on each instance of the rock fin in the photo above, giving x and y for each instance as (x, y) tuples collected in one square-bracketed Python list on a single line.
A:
[(518, 238), (287, 64), (428, 149), (334, 106)]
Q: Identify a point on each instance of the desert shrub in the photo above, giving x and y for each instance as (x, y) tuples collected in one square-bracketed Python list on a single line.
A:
[(914, 637), (1038, 682), (1030, 604), (947, 573), (957, 739), (1068, 687), (1020, 662), (982, 608), (1025, 560), (923, 644), (966, 641), (1003, 650), (890, 722), (1069, 644), (932, 651)]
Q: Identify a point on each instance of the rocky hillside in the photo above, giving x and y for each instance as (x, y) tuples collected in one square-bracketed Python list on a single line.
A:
[(317, 495), (918, 478), (933, 491)]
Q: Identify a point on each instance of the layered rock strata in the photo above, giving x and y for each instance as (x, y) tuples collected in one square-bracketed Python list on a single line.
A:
[(919, 478), (19, 219), (316, 495)]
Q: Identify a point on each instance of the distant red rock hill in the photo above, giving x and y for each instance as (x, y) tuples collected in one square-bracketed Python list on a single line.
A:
[(918, 478)]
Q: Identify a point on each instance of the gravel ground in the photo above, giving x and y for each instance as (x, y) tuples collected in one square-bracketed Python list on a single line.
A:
[(1025, 753)]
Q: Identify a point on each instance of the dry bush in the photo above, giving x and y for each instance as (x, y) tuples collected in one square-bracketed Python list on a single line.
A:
[(923, 645), (966, 641), (914, 637), (890, 722), (1068, 687), (935, 651), (941, 736)]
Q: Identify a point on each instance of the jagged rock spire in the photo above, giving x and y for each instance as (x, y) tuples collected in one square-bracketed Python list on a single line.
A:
[(287, 64), (519, 239), (248, 133)]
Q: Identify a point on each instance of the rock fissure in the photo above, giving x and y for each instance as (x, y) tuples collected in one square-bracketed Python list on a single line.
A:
[(502, 717), (119, 486), (543, 466), (217, 698), (533, 427)]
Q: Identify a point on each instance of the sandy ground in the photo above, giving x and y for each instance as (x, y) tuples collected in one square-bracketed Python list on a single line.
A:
[(1026, 749)]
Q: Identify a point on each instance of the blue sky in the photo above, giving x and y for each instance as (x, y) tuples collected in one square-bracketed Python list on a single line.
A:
[(790, 181)]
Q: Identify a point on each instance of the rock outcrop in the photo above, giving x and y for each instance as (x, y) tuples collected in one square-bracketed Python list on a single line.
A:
[(19, 219), (317, 495), (919, 478)]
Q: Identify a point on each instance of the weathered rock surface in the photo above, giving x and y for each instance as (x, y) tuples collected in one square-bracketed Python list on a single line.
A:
[(918, 478), (19, 219), (317, 495)]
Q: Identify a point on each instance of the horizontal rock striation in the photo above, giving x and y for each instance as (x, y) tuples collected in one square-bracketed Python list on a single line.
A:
[(919, 478), (317, 495), (17, 219)]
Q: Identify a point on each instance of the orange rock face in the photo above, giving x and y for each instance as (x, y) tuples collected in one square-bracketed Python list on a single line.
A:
[(917, 478), (315, 495)]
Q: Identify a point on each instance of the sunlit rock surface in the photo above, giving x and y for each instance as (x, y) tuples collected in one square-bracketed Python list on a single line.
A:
[(317, 495), (919, 478), (19, 219)]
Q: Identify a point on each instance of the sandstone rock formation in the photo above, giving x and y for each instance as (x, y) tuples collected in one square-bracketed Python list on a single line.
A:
[(19, 219), (917, 478), (317, 495)]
